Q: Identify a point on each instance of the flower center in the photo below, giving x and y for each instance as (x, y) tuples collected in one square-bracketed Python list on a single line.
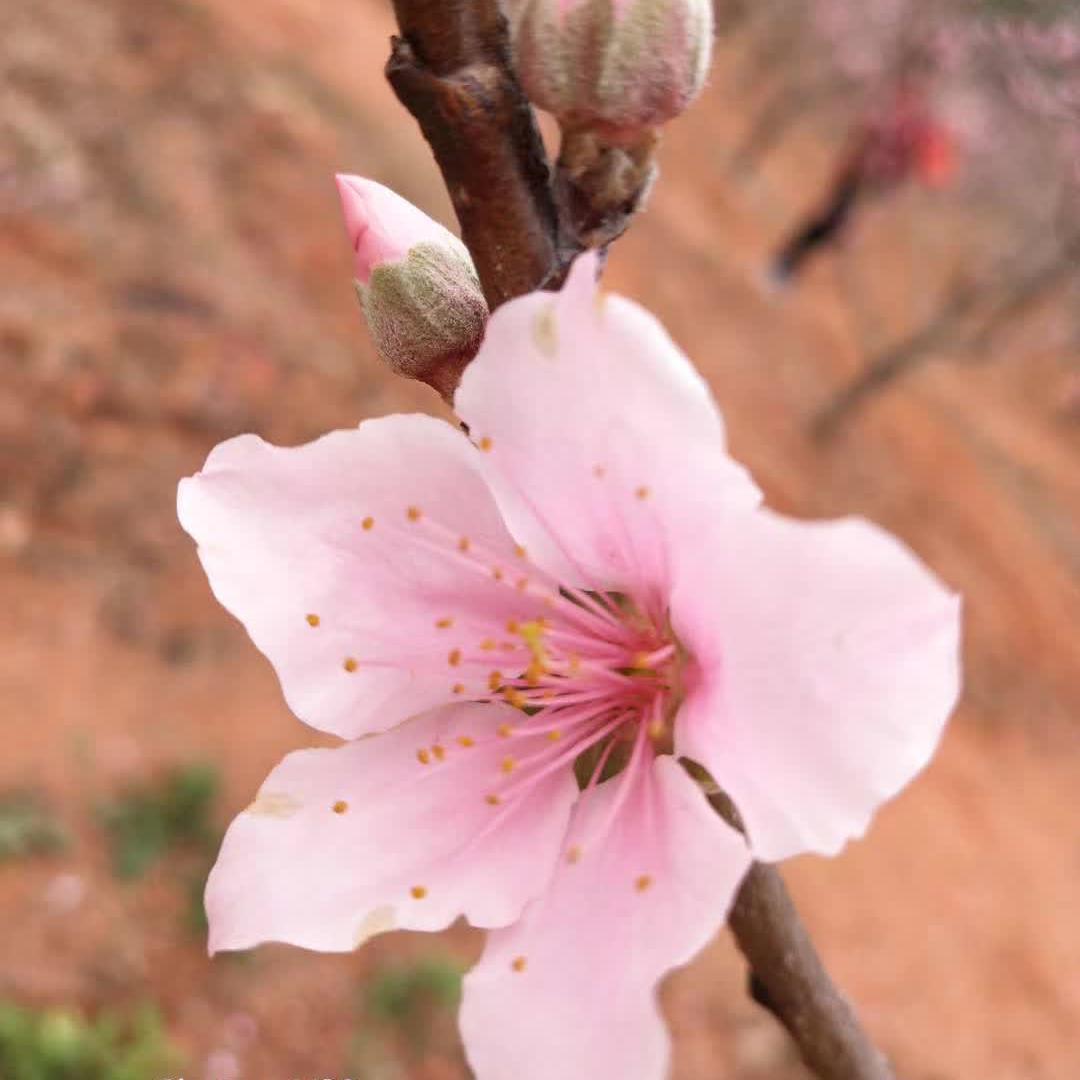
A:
[(602, 684), (596, 675)]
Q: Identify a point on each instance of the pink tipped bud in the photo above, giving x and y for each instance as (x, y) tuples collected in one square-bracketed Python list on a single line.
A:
[(417, 284), (616, 67)]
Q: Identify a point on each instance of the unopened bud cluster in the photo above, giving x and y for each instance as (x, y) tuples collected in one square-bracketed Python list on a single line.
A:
[(614, 67)]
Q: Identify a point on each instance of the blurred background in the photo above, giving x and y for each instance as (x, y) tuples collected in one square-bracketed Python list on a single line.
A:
[(173, 271)]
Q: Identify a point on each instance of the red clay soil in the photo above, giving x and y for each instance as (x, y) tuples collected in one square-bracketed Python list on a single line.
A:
[(175, 272)]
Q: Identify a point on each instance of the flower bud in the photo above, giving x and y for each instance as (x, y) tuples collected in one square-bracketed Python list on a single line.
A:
[(417, 284), (616, 67)]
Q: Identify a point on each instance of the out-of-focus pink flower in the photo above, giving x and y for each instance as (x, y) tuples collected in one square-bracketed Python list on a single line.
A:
[(615, 67), (416, 281), (524, 637)]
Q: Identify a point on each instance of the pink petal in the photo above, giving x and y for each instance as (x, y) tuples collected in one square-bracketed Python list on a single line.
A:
[(828, 663), (569, 991), (322, 534), (606, 447), (391, 831), (383, 227)]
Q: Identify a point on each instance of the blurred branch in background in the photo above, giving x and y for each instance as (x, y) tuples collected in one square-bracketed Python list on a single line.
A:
[(993, 302), (1005, 80)]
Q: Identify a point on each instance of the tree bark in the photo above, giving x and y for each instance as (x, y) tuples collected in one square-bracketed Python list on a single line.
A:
[(451, 69)]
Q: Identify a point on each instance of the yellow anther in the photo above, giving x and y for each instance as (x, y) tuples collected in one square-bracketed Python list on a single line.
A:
[(573, 855), (519, 964), (497, 574), (489, 644), (418, 892), (459, 688), (413, 513), (423, 757), (313, 620), (532, 634), (508, 765), (340, 806), (350, 664), (486, 444), (520, 551), (443, 624), (643, 883), (512, 626), (464, 544), (439, 752), (492, 800), (554, 736), (454, 658), (464, 740), (534, 672), (657, 730), (504, 731), (575, 664), (368, 524), (522, 584), (495, 680), (515, 698), (642, 493)]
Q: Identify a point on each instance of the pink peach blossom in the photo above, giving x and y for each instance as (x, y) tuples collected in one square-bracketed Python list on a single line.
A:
[(525, 635)]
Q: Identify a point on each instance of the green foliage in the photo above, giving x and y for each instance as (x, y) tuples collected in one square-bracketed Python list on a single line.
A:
[(147, 821), (58, 1044), (403, 993), (409, 1012), (28, 828)]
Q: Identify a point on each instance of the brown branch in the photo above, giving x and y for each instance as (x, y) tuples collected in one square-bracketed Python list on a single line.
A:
[(788, 978), (451, 69)]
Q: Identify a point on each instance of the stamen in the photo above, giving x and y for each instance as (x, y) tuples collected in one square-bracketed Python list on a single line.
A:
[(519, 964), (340, 806), (367, 524), (418, 892), (313, 620), (414, 513), (643, 883)]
